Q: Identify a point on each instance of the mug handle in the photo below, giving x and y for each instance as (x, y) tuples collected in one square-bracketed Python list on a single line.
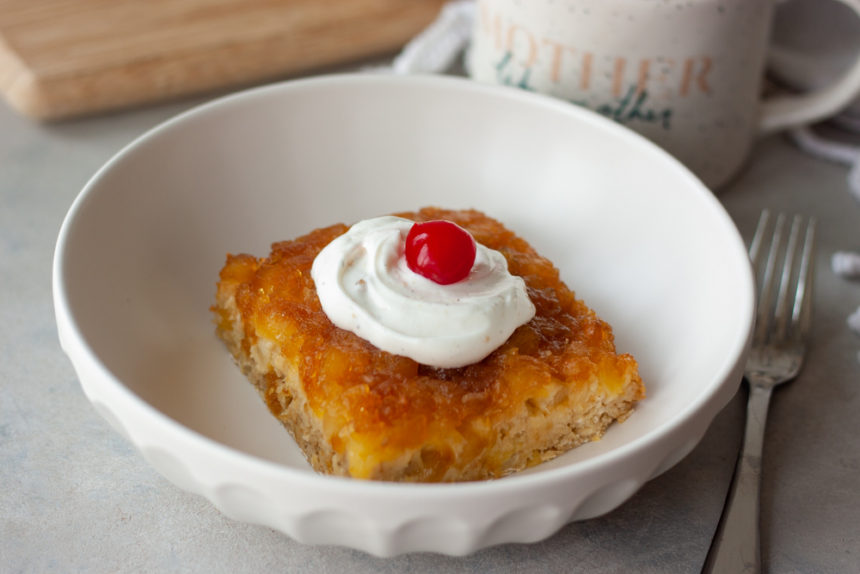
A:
[(790, 111)]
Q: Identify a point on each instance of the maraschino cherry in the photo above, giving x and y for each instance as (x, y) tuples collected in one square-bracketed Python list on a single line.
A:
[(440, 250)]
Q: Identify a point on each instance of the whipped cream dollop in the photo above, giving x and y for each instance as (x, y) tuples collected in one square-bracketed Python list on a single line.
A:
[(365, 286)]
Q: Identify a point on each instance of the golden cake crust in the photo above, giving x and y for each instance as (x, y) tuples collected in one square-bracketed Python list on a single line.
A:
[(359, 411)]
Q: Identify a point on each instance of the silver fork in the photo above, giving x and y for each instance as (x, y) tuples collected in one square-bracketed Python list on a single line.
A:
[(784, 275)]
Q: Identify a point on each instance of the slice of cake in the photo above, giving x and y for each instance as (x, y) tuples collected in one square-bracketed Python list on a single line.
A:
[(356, 410)]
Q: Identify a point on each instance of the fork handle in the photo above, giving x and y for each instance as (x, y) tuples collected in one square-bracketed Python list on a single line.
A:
[(736, 545)]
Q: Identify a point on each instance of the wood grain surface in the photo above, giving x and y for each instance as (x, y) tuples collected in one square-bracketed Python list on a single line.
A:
[(63, 58)]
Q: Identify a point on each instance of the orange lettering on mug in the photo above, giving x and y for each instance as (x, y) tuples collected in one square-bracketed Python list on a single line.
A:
[(491, 26), (661, 79), (618, 77), (585, 76), (556, 58), (701, 76), (532, 44), (642, 81)]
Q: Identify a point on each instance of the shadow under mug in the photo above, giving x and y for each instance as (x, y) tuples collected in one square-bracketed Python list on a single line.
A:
[(687, 74)]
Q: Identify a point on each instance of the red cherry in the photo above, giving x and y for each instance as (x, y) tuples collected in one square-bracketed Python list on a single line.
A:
[(440, 250)]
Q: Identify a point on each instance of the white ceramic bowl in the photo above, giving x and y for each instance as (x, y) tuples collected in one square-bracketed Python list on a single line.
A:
[(633, 232)]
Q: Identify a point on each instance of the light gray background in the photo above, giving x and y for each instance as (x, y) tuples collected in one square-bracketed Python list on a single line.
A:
[(74, 496)]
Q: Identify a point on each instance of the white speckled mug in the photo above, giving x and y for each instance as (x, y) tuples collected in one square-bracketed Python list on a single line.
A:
[(687, 74)]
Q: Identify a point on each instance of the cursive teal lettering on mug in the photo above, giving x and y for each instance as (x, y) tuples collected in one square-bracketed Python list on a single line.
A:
[(507, 77), (631, 107), (628, 109)]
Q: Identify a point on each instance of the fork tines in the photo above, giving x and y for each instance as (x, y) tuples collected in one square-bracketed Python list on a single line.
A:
[(783, 265)]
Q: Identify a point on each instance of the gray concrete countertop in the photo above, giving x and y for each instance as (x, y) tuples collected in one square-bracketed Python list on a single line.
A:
[(75, 497)]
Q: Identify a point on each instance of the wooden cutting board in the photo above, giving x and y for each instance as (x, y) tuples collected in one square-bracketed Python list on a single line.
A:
[(62, 58)]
